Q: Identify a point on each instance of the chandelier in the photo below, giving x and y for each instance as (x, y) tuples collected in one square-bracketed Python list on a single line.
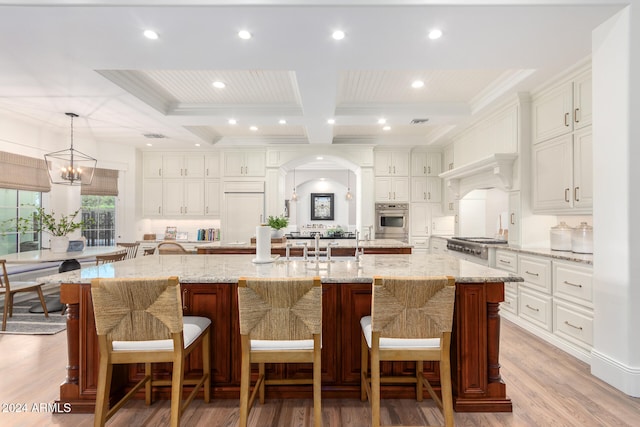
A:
[(294, 196), (70, 167), (348, 196)]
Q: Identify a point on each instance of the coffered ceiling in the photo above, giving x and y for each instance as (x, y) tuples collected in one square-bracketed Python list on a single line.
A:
[(284, 83)]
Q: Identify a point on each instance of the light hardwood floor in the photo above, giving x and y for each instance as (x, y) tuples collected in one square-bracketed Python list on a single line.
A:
[(547, 387)]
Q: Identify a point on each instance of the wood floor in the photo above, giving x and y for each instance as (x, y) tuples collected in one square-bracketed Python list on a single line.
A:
[(31, 368)]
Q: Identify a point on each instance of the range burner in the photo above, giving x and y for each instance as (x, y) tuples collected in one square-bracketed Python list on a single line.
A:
[(482, 240), (473, 246)]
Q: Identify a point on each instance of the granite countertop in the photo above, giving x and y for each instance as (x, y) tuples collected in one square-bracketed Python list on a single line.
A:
[(336, 243), (228, 268), (560, 255)]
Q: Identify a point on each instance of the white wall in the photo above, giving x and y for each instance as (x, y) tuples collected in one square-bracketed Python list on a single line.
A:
[(616, 132)]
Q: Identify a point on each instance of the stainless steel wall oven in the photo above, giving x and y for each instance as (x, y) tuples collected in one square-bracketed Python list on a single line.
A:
[(392, 221)]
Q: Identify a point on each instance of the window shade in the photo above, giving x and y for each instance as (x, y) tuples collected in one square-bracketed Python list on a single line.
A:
[(104, 183), (23, 173)]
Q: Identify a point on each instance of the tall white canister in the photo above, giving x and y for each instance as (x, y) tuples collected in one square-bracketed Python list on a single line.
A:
[(561, 237), (582, 239)]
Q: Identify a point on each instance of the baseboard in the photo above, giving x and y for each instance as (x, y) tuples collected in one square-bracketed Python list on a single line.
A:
[(619, 375)]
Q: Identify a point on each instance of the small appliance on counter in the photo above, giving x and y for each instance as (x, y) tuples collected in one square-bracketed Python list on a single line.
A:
[(582, 239), (561, 237)]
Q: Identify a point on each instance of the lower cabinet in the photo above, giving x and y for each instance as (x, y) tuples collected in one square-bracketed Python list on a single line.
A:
[(535, 307)]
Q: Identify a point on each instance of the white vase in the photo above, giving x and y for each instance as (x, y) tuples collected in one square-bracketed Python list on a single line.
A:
[(59, 244), (276, 234)]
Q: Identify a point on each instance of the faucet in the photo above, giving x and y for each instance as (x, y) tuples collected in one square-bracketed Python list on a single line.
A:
[(287, 250), (358, 252), (329, 249), (305, 252), (317, 246)]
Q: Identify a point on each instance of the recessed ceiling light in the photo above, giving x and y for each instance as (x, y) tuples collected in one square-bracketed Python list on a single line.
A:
[(435, 34), (197, 145), (386, 128), (319, 158), (338, 35), (150, 34), (331, 121), (417, 84), (282, 121), (149, 144), (253, 128), (219, 85), (232, 121), (382, 121), (244, 34)]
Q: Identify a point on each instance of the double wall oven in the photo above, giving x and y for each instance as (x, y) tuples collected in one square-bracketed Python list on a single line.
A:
[(475, 249), (392, 221)]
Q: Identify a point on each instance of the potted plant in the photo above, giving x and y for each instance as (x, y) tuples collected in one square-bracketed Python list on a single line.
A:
[(59, 228), (277, 223)]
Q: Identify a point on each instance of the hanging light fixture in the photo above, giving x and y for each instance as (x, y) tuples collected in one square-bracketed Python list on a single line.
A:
[(70, 167), (349, 196), (294, 196)]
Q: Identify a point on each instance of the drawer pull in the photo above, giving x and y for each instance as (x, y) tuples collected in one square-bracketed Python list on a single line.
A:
[(504, 261), (532, 308), (507, 302), (184, 299), (577, 285), (533, 274), (573, 326)]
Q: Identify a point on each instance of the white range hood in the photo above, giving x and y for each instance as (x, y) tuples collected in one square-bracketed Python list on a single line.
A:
[(494, 171)]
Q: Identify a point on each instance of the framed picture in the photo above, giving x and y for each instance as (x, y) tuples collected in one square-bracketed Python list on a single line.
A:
[(321, 206), (182, 235), (170, 233)]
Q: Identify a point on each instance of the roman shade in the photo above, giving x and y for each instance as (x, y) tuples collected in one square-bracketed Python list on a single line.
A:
[(104, 183), (23, 173)]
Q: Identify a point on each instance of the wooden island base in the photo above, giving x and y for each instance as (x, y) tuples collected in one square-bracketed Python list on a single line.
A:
[(477, 385)]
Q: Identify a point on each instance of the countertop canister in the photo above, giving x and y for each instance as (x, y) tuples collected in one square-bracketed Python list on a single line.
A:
[(582, 239), (561, 237)]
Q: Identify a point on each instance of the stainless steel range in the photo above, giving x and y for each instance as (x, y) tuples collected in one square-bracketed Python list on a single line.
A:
[(475, 249)]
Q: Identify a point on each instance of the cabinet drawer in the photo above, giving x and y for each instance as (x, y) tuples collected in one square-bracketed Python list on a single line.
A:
[(507, 261), (510, 303), (535, 308), (573, 283), (536, 272), (573, 324)]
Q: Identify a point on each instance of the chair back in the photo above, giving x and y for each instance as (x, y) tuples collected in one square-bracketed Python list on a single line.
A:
[(169, 248), (131, 248), (280, 309), (137, 309), (412, 307), (149, 251), (105, 259), (4, 279)]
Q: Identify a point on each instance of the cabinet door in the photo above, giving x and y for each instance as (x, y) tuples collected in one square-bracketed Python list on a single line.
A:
[(582, 104), (552, 174), (425, 164), (420, 219), (583, 169), (172, 166), (173, 197), (255, 163), (514, 218), (193, 166), (383, 189), (552, 113), (152, 165), (434, 190), (234, 163), (434, 164), (212, 198), (152, 197), (212, 165), (447, 158), (193, 199), (400, 163), (400, 189), (419, 189), (383, 164)]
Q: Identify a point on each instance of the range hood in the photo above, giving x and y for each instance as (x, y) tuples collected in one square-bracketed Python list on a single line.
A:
[(494, 171)]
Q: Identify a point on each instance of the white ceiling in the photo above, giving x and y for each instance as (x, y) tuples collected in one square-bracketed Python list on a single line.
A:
[(64, 56)]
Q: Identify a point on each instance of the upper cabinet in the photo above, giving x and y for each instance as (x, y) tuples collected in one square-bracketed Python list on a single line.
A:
[(152, 165), (425, 164), (212, 165), (391, 163), (392, 189), (244, 163), (563, 108), (179, 166)]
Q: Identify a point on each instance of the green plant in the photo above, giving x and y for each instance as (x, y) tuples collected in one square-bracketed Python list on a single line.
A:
[(43, 221), (277, 222)]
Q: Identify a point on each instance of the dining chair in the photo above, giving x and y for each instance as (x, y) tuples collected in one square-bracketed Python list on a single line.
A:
[(411, 320), (149, 251), (140, 321), (131, 248), (280, 322), (106, 259), (171, 248), (10, 289)]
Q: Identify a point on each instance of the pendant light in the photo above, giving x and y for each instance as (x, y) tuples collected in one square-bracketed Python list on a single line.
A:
[(70, 167), (294, 196), (349, 196)]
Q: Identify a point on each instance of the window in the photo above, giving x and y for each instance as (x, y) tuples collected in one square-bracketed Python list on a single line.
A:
[(16, 204), (101, 212)]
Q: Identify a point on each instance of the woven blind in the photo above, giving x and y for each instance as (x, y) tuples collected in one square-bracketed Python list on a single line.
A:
[(104, 183), (23, 173)]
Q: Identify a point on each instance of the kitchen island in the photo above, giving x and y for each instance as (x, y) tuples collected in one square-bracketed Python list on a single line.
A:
[(209, 285)]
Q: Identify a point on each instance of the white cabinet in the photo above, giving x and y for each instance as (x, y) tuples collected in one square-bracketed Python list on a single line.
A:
[(212, 165), (183, 197), (426, 190), (212, 198), (152, 197), (447, 158), (420, 245), (507, 260), (175, 165), (420, 219), (244, 163), (535, 307), (426, 163), (536, 272), (392, 189), (563, 108), (563, 174), (152, 165), (391, 163)]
